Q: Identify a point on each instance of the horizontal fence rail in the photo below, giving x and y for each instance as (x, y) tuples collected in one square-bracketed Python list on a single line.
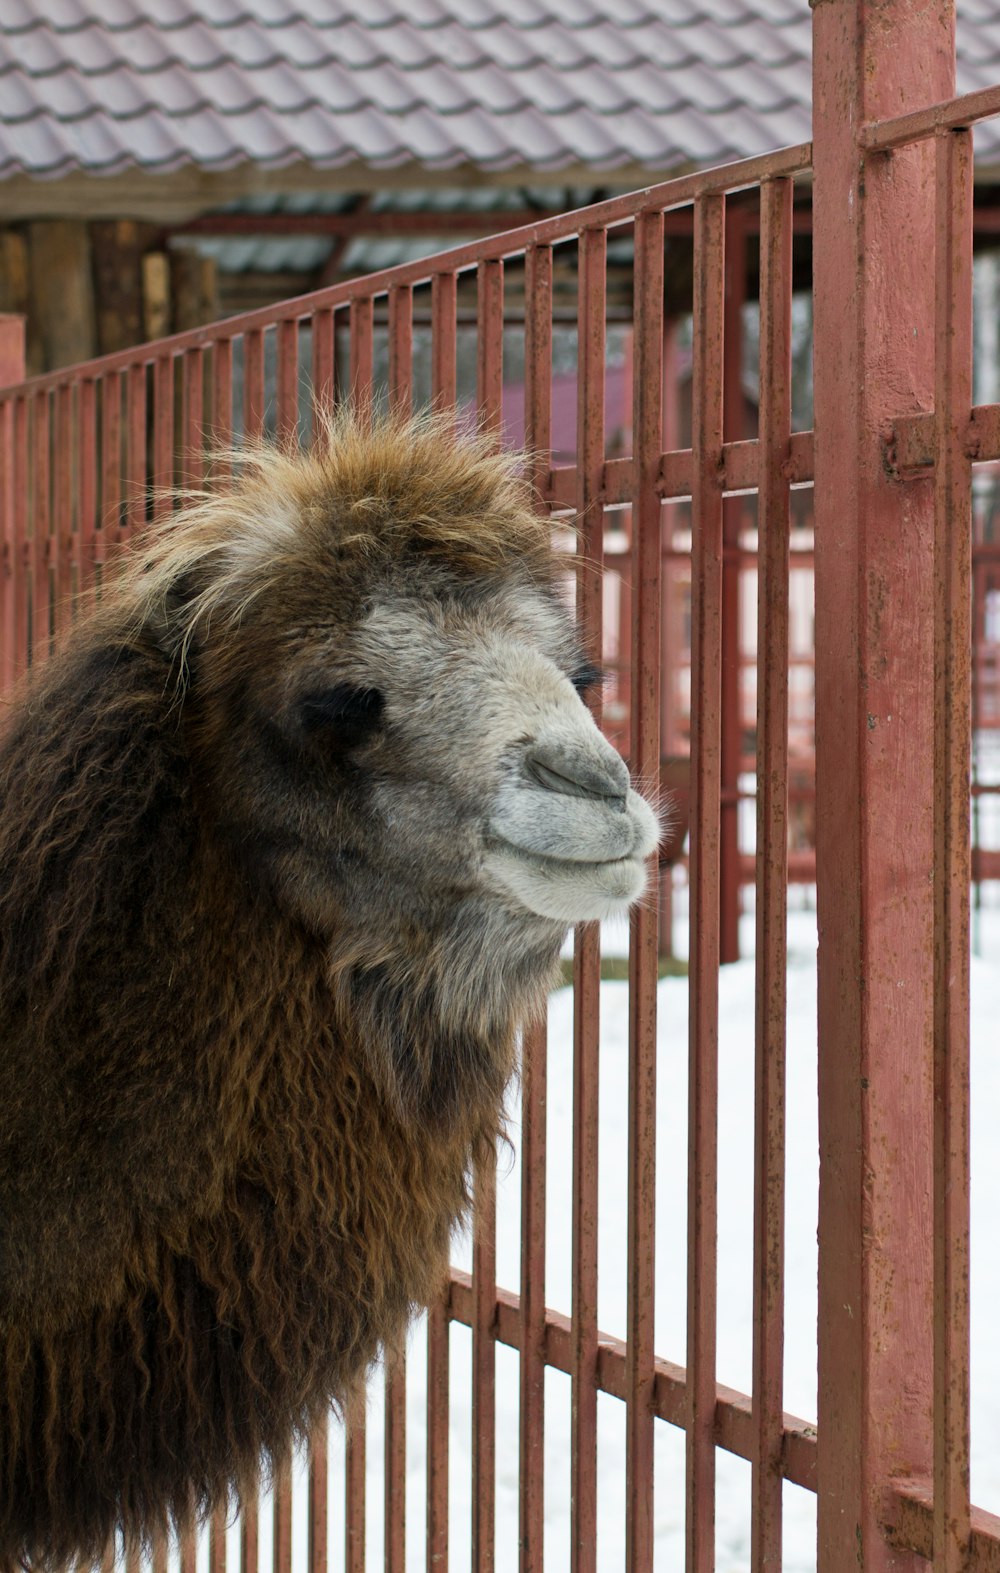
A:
[(91, 457)]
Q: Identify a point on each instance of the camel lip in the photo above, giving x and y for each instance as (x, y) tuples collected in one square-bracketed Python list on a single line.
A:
[(496, 843)]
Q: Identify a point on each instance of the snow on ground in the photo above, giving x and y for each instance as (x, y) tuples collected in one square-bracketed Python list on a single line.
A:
[(736, 1025)]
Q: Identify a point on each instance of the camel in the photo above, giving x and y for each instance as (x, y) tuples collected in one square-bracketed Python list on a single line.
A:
[(291, 833)]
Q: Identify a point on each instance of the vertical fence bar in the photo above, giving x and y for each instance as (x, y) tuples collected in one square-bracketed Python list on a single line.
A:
[(489, 395), (362, 331), (111, 467), (733, 517), (319, 1546), (873, 267), (323, 391), (354, 1491), (952, 857), (64, 542), (189, 1551), (193, 400), (773, 519), (222, 398), (706, 702), (443, 387), (531, 1505), (253, 384), (587, 942), (163, 435), (644, 760), (437, 1436), (11, 567), (134, 516), (88, 522), (401, 348), (217, 1541), (395, 1463), (288, 381), (41, 537), (282, 1528), (250, 1536), (444, 305), (22, 543)]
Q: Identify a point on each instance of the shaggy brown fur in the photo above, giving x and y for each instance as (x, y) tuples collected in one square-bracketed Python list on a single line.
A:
[(239, 1099)]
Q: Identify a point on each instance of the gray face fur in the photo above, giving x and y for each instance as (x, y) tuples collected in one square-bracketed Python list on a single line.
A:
[(487, 783), (554, 829)]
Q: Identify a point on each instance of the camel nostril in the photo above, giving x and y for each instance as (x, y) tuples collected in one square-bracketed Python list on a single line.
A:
[(579, 777)]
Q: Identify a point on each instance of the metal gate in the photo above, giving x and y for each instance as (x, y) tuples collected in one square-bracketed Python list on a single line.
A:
[(895, 438)]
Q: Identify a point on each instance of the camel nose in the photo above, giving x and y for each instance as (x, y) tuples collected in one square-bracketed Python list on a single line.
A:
[(576, 775)]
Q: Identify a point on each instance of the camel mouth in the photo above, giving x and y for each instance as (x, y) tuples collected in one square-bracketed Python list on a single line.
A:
[(564, 889)]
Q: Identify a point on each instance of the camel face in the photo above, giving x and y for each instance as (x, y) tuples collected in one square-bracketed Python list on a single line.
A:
[(431, 760)]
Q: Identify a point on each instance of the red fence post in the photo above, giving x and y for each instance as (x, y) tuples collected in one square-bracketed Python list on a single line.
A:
[(874, 357)]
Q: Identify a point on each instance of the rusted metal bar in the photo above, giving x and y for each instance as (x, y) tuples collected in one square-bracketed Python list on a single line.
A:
[(733, 430), (217, 1541), (444, 299), (354, 1491), (489, 393), (773, 525), (443, 295), (401, 348), (63, 542), (395, 1463), (587, 941), (317, 1555), (484, 1368), (222, 399), (253, 383), (159, 1556), (437, 1434), (323, 391), (873, 280), (909, 1524), (87, 519), (41, 528), (703, 875), (250, 1536), (21, 542), (163, 435), (644, 760), (531, 1479), (11, 574), (949, 115), (136, 478), (288, 382), (193, 397), (952, 871), (362, 351), (734, 1428), (282, 1535)]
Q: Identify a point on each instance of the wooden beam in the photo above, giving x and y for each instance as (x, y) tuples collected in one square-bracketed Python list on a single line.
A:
[(62, 291)]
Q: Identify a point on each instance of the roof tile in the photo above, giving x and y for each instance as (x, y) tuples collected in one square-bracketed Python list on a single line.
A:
[(107, 85)]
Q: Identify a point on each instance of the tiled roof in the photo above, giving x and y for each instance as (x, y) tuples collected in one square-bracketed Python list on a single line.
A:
[(107, 86)]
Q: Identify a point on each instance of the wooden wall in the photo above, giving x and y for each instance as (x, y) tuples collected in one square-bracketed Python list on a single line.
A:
[(90, 289)]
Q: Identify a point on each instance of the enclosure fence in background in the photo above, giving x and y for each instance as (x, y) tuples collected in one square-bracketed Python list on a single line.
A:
[(89, 457)]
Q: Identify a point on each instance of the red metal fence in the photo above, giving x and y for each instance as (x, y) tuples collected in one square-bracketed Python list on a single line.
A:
[(895, 439)]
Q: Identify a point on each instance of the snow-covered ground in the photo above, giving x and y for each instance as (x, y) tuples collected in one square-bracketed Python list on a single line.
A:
[(736, 1018)]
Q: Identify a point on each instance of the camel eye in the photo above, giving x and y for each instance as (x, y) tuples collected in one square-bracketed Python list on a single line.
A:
[(586, 677), (349, 714)]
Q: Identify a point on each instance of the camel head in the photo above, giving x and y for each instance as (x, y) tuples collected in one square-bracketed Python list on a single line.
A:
[(386, 690)]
